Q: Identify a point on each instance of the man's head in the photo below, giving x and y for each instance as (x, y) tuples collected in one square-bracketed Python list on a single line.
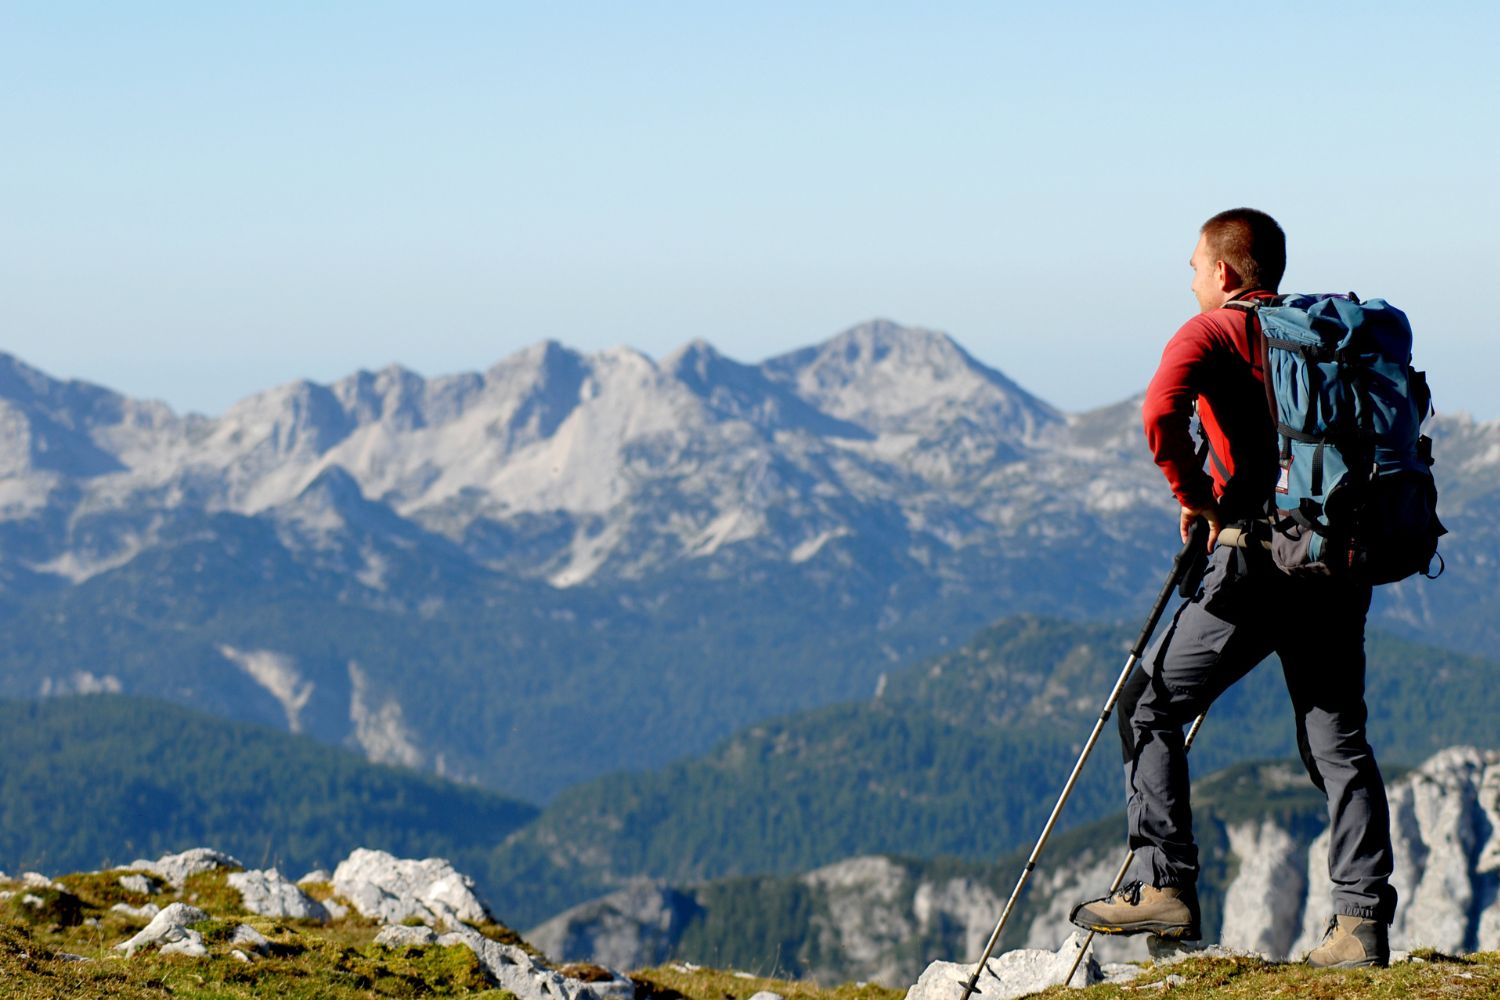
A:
[(1238, 250)]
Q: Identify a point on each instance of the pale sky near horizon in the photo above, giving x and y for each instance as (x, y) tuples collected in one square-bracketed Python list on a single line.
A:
[(200, 201)]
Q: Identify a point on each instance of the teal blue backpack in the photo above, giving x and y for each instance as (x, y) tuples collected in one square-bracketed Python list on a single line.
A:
[(1356, 495)]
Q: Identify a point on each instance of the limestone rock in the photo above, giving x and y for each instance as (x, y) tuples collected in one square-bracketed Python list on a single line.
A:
[(1443, 832), (403, 936), (1009, 976), (316, 875), (146, 912), (269, 894), (514, 970), (175, 868), (142, 884), (768, 995), (169, 929), (1263, 903), (1441, 795), (183, 941), (391, 890), (964, 903), (248, 937), (635, 927), (867, 915)]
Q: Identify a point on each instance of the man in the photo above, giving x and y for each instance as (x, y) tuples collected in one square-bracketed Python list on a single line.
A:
[(1245, 610)]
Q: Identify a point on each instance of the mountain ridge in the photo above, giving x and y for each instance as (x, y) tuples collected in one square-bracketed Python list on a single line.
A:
[(758, 539)]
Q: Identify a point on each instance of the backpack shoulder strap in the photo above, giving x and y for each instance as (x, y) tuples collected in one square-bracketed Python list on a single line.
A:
[(1255, 338)]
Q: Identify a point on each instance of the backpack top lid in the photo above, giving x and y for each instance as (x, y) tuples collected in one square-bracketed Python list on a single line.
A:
[(1341, 323)]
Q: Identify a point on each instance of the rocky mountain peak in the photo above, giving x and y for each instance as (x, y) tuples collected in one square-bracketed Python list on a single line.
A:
[(895, 379)]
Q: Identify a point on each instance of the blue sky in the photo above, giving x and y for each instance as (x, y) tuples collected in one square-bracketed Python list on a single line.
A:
[(201, 200)]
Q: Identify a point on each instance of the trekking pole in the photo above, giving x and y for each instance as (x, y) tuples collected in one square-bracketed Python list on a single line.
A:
[(1184, 562), (1187, 744)]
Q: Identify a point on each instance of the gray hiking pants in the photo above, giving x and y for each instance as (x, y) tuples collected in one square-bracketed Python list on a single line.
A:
[(1246, 610)]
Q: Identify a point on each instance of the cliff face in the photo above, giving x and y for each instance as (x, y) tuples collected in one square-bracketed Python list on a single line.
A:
[(1265, 889)]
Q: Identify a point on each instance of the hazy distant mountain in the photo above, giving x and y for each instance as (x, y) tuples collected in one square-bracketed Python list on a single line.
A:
[(501, 576)]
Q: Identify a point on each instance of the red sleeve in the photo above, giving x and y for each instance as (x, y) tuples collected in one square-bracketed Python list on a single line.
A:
[(1168, 412)]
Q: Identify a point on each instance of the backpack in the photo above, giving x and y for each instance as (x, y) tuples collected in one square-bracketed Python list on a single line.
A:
[(1355, 495)]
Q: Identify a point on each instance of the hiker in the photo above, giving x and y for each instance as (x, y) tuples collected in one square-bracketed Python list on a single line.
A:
[(1245, 609)]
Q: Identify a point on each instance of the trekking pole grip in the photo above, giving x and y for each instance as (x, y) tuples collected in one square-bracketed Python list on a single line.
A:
[(1191, 551)]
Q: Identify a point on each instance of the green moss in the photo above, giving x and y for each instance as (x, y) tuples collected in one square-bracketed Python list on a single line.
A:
[(670, 982), (504, 935), (321, 891), (414, 972), (103, 889), (216, 931), (45, 907), (211, 891)]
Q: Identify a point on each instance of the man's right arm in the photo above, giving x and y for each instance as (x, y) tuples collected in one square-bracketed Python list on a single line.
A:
[(1168, 413)]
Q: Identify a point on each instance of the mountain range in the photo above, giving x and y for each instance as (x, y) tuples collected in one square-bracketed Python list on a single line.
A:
[(572, 564)]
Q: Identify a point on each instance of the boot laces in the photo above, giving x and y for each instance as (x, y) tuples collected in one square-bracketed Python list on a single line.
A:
[(1130, 892)]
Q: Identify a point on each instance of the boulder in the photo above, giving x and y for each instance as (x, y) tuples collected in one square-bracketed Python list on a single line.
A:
[(1008, 976), (316, 875), (145, 885), (170, 931), (392, 890), (175, 868), (270, 894), (146, 912), (248, 938), (405, 936), (514, 970), (184, 941)]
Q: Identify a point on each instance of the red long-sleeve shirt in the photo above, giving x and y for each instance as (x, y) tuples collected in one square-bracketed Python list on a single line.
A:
[(1211, 361)]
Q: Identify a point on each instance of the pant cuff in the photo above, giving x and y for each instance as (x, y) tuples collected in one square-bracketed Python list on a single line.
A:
[(1365, 912)]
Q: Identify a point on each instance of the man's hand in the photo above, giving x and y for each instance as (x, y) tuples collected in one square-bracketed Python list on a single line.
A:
[(1209, 514)]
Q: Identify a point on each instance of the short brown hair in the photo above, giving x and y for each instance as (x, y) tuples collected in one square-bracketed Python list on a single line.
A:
[(1251, 242)]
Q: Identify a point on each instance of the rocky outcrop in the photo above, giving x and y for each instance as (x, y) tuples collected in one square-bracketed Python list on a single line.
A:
[(170, 931), (270, 894), (635, 927), (176, 868), (383, 888), (1015, 974), (1263, 905), (391, 890), (514, 970), (1445, 827)]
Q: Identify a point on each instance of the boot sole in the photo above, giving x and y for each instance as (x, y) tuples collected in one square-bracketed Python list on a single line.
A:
[(1355, 963), (1173, 932)]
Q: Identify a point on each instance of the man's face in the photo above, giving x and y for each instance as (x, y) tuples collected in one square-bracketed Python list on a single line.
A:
[(1208, 286)]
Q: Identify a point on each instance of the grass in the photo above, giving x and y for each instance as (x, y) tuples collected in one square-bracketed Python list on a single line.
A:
[(340, 961), (1432, 975)]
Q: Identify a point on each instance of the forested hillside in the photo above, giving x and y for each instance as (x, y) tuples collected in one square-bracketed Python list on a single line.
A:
[(103, 779)]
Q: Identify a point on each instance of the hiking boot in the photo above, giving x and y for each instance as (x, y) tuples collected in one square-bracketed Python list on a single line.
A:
[(1351, 941), (1138, 908)]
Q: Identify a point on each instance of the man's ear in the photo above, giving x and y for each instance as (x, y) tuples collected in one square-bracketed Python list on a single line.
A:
[(1226, 277)]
